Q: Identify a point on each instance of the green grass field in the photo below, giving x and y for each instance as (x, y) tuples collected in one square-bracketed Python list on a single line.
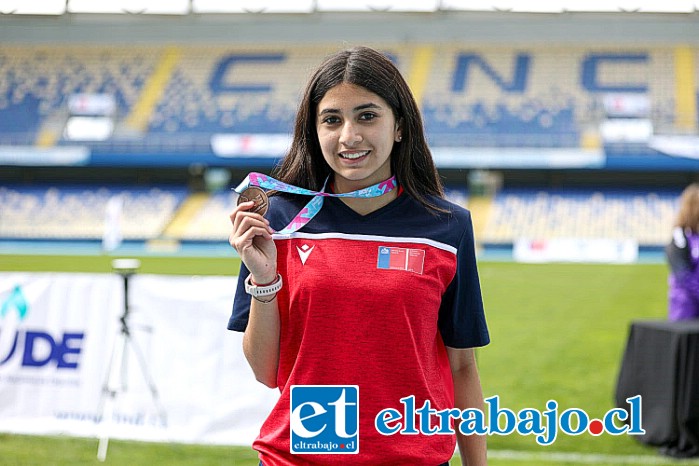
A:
[(558, 332)]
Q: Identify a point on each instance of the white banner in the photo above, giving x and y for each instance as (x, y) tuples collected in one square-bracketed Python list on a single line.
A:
[(250, 145), (604, 250), (49, 156), (676, 146), (92, 104), (514, 157), (626, 105), (57, 336), (638, 130)]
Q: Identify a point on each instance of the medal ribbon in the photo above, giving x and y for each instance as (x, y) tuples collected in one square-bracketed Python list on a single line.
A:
[(313, 207)]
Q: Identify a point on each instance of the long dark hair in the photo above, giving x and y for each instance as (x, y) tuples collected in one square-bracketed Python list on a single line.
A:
[(411, 160)]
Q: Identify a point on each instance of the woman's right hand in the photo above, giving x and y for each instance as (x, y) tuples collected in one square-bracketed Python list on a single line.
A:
[(252, 238)]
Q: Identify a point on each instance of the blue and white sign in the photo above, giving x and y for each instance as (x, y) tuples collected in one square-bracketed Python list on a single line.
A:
[(324, 419)]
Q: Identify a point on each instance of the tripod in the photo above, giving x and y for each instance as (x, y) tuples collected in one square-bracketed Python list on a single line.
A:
[(116, 382)]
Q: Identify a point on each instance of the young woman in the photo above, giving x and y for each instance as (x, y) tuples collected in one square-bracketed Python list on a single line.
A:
[(683, 257), (377, 292)]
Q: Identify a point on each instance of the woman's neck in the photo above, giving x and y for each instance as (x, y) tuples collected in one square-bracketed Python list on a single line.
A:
[(362, 205), (365, 206)]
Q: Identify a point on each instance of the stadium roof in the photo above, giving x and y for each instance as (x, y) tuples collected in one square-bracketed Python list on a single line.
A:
[(184, 7)]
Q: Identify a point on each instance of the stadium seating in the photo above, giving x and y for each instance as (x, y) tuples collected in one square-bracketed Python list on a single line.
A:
[(543, 214), (209, 92), (536, 214), (201, 97), (211, 222), (499, 97), (78, 212), (486, 98), (37, 81)]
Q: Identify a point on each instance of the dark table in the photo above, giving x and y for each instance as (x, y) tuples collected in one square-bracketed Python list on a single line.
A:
[(661, 363)]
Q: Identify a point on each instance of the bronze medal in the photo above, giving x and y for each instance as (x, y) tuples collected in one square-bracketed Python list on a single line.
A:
[(258, 196)]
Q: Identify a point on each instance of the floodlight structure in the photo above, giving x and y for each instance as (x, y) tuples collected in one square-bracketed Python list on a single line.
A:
[(116, 381)]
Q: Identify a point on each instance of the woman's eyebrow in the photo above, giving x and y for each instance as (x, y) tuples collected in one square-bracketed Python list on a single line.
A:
[(365, 106), (355, 109)]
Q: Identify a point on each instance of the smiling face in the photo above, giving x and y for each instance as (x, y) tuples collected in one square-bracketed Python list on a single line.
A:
[(356, 130)]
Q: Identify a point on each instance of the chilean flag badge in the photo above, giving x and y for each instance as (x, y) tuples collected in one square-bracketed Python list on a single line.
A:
[(407, 259)]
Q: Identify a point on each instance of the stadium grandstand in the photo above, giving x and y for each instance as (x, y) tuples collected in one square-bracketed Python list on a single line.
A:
[(584, 120)]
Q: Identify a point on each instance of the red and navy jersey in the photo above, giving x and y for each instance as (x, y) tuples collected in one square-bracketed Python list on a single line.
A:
[(371, 301)]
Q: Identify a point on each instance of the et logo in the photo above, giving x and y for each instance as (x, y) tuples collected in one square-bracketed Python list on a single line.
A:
[(324, 419)]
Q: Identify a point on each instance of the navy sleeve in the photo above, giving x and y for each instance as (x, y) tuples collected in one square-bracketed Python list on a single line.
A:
[(241, 303), (461, 316)]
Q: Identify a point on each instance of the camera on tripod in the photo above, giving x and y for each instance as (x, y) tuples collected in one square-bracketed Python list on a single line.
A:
[(115, 382), (126, 267)]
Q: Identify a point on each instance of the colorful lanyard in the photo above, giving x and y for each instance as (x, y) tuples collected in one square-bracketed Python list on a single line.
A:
[(313, 207)]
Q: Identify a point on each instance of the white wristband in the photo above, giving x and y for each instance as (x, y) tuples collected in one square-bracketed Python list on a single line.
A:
[(256, 290)]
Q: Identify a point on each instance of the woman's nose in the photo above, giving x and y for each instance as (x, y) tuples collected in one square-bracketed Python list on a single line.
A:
[(349, 136)]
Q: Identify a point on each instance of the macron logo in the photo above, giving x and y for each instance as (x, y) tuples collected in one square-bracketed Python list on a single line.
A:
[(304, 252)]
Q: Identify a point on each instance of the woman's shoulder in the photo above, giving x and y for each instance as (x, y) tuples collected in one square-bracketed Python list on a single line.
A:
[(281, 201), (283, 207), (446, 222), (450, 210)]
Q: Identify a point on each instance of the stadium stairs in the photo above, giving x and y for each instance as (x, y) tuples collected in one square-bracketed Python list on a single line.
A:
[(480, 207), (177, 228)]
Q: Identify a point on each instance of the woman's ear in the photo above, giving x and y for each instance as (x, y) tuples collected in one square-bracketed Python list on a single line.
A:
[(398, 136)]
